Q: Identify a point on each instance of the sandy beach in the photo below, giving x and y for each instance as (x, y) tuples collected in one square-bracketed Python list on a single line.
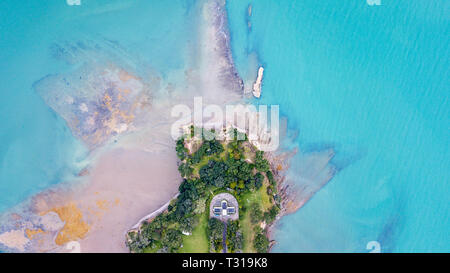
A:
[(124, 186)]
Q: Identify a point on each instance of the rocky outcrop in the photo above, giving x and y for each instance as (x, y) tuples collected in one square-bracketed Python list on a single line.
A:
[(257, 85), (228, 76), (97, 102)]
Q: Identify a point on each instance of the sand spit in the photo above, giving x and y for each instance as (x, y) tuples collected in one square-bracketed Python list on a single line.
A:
[(216, 19), (124, 185), (215, 77)]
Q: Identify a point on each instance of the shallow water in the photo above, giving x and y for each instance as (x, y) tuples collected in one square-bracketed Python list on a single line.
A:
[(370, 82)]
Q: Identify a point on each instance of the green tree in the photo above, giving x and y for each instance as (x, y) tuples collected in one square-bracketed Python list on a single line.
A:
[(234, 237), (256, 214), (214, 173), (185, 170), (261, 243), (271, 179), (271, 215), (261, 164), (188, 223), (172, 240), (259, 178), (215, 229), (180, 149)]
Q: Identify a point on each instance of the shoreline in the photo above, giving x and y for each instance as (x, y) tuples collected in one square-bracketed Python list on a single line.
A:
[(257, 188), (110, 205), (293, 197), (152, 215)]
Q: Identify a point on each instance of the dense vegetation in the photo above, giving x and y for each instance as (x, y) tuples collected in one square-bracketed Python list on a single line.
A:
[(236, 167), (214, 231)]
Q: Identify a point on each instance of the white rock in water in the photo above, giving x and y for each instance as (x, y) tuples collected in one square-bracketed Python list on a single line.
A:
[(69, 100), (122, 128), (83, 107), (257, 84)]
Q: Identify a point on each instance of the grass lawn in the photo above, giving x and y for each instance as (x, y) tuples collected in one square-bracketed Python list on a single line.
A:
[(247, 233), (202, 163), (198, 240), (205, 160), (261, 197)]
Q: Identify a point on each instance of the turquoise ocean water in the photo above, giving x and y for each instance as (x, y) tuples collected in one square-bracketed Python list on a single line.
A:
[(37, 149), (373, 83)]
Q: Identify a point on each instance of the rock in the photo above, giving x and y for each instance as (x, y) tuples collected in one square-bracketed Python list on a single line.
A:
[(14, 239), (258, 82)]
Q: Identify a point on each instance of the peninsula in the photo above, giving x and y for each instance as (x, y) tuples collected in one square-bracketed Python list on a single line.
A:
[(226, 202)]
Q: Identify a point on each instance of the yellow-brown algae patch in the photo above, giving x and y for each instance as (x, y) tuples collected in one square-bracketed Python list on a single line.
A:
[(129, 118), (93, 212), (107, 101), (33, 232), (74, 228), (279, 167), (117, 201), (102, 204)]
